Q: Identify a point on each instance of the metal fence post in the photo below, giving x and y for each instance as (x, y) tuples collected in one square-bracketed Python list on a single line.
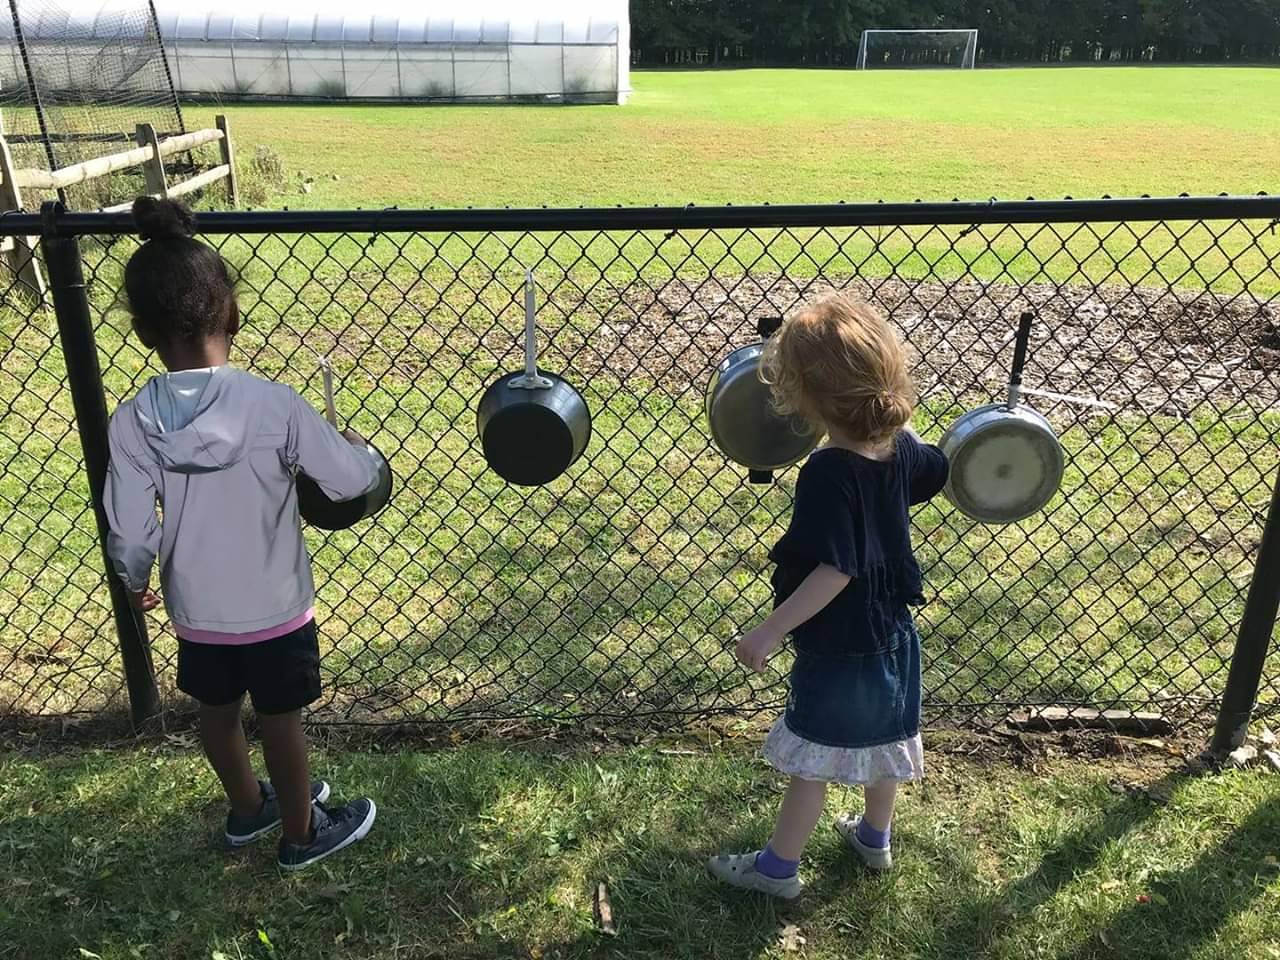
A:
[(1254, 640), (84, 376)]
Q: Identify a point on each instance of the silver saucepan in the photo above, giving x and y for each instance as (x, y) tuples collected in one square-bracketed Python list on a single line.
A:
[(740, 411), (1006, 461)]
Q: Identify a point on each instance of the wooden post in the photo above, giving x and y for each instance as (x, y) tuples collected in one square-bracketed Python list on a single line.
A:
[(228, 160), (153, 169), (19, 252)]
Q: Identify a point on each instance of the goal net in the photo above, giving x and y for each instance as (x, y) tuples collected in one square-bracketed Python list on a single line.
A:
[(918, 48), (76, 79)]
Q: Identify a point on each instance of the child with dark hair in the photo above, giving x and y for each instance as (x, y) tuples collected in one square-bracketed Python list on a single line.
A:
[(219, 450)]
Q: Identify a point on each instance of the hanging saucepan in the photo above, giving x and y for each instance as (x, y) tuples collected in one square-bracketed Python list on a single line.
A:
[(533, 425), (1006, 461), (744, 424), (316, 507)]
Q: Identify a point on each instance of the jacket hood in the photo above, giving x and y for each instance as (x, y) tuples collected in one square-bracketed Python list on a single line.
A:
[(198, 421)]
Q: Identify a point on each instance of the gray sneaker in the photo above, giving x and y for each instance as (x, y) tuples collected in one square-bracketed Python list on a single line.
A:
[(331, 830), (739, 870), (875, 858), (245, 830)]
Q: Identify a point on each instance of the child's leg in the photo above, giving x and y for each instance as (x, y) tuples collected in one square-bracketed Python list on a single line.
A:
[(222, 736), (774, 869), (284, 746), (881, 798), (868, 835), (801, 808)]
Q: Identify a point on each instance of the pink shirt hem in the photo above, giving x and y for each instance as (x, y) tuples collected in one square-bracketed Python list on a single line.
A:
[(241, 639)]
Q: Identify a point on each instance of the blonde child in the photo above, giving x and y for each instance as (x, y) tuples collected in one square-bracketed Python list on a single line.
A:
[(845, 578)]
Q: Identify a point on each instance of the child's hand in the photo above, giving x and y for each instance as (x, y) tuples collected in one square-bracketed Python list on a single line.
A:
[(756, 646), (354, 438), (144, 600)]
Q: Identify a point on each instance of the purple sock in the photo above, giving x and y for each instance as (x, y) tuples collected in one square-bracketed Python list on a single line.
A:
[(772, 865), (869, 836)]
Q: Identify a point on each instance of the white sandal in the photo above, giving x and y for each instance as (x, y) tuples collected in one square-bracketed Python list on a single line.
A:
[(739, 870), (876, 858)]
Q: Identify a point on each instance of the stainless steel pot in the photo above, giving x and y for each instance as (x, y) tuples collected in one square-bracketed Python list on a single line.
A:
[(533, 425), (315, 506), (1006, 461), (743, 422)]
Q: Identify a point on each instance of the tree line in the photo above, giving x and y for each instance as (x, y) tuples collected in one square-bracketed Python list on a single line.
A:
[(827, 32)]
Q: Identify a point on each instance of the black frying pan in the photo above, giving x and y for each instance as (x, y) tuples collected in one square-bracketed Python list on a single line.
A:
[(532, 424), (315, 506)]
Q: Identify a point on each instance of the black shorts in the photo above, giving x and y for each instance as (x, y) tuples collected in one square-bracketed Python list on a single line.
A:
[(280, 675)]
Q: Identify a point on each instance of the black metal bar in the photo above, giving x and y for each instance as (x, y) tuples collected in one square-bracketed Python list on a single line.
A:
[(1021, 342), (84, 377), (683, 218), (1254, 639), (164, 59), (34, 89)]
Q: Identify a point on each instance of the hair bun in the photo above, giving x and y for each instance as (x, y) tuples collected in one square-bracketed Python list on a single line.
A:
[(163, 219)]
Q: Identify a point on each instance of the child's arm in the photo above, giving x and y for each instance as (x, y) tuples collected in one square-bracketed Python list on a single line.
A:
[(811, 597), (341, 469), (133, 537), (929, 469)]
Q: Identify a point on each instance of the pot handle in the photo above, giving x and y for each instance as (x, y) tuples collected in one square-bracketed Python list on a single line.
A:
[(530, 380), (768, 326), (326, 371), (1020, 357)]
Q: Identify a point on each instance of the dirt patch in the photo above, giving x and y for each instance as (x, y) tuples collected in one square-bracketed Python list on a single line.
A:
[(1150, 350)]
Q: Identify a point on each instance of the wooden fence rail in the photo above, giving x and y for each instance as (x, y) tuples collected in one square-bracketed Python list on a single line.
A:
[(149, 154)]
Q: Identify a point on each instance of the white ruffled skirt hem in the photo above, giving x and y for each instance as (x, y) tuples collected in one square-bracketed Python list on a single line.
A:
[(795, 756)]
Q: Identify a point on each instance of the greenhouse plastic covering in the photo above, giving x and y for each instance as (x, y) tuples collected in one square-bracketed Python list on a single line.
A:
[(445, 49)]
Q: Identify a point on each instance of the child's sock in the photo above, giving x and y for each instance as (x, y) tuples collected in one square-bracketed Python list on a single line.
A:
[(869, 836), (772, 865)]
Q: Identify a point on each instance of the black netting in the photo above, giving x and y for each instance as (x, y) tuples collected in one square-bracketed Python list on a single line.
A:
[(75, 87), (617, 590)]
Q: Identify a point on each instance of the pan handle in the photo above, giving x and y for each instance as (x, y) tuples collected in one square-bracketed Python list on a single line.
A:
[(326, 371), (1020, 357), (530, 328), (530, 380), (768, 326)]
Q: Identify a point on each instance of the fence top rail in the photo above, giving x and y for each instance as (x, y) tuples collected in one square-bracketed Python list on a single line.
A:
[(58, 222)]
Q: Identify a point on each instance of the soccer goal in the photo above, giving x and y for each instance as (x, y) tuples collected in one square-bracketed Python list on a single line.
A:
[(918, 48)]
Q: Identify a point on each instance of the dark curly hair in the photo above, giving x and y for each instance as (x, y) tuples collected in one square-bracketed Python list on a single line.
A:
[(179, 290)]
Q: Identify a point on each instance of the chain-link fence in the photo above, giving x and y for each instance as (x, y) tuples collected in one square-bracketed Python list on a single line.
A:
[(616, 591)]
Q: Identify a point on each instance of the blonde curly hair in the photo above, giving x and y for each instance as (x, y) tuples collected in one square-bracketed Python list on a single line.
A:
[(838, 364)]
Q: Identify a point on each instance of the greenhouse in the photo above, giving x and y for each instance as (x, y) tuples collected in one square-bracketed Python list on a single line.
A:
[(450, 50)]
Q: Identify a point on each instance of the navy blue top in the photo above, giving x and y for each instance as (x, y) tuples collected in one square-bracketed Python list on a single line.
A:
[(851, 513)]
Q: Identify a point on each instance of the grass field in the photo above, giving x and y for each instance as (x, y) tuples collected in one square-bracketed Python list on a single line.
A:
[(794, 136), (483, 851), (623, 583)]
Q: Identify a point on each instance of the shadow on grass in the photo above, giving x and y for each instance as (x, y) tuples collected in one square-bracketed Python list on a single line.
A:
[(1190, 908), (974, 926), (486, 851)]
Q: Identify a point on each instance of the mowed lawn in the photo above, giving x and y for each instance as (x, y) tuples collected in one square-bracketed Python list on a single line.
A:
[(485, 851), (653, 497), (796, 136)]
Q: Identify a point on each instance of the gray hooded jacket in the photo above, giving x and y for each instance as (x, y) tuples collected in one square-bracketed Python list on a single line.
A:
[(219, 449)]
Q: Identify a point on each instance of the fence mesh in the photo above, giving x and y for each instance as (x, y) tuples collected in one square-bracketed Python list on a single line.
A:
[(75, 87), (617, 590)]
